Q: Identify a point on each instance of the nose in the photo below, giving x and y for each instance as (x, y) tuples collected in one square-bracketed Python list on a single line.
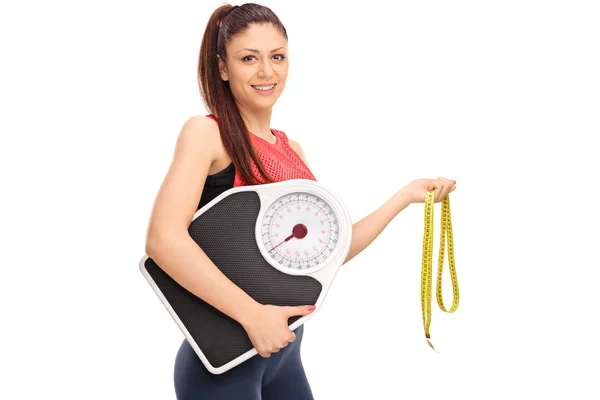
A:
[(265, 69)]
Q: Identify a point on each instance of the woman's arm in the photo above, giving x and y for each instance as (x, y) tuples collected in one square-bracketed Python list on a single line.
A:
[(365, 231), (168, 242)]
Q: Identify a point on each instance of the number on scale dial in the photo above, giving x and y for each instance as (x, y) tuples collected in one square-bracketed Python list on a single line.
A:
[(300, 231)]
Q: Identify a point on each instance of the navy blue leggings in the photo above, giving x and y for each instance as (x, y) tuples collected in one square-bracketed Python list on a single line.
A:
[(278, 377)]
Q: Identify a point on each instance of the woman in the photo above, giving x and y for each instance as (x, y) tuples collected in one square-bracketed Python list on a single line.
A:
[(242, 71)]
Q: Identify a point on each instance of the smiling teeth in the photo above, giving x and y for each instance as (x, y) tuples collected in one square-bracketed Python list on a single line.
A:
[(264, 87)]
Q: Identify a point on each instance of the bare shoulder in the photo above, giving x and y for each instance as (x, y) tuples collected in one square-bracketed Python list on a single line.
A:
[(202, 133), (198, 145), (298, 149)]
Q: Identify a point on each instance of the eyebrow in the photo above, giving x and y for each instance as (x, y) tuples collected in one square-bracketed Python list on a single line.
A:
[(256, 51)]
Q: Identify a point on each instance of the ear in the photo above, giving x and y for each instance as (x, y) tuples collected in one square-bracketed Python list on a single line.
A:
[(222, 68)]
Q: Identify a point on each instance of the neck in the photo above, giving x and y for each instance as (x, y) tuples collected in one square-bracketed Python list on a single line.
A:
[(258, 122)]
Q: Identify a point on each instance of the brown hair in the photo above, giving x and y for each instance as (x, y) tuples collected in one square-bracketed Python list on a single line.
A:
[(226, 22)]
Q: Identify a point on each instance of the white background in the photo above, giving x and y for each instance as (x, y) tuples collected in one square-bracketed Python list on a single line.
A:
[(503, 97)]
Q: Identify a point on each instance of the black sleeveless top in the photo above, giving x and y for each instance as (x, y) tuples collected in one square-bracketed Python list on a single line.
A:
[(216, 184)]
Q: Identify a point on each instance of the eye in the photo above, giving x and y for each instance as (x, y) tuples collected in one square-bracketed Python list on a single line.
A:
[(281, 57), (247, 58)]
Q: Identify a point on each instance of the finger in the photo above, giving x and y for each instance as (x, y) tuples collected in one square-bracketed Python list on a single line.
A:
[(447, 182), (439, 190), (451, 187), (447, 187), (292, 337), (431, 184), (262, 351), (450, 182), (264, 354), (299, 310)]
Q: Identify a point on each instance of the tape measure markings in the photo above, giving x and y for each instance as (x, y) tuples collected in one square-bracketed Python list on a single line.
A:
[(427, 262)]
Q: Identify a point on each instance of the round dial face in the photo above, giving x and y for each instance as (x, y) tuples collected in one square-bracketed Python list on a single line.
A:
[(300, 232)]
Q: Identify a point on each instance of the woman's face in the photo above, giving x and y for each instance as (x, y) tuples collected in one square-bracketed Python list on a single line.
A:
[(256, 66)]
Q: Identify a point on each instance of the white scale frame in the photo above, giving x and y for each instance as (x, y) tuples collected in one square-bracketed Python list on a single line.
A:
[(324, 273)]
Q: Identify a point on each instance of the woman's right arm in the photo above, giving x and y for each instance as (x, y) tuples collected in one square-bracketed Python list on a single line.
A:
[(168, 242)]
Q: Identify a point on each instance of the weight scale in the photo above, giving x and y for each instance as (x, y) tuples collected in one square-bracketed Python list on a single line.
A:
[(282, 243)]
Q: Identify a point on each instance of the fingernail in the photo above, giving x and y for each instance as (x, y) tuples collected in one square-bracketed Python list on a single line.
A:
[(310, 308)]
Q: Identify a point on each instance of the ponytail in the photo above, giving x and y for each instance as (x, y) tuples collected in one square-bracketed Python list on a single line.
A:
[(225, 22)]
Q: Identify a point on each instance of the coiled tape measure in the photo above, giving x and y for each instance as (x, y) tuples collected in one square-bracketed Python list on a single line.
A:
[(427, 261)]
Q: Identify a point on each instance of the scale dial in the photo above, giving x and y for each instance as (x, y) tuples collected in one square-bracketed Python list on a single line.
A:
[(300, 233)]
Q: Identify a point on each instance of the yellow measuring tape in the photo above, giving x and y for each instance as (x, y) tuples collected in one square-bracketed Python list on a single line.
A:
[(426, 265)]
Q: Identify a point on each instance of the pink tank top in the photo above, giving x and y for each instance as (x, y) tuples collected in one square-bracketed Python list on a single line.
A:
[(279, 159)]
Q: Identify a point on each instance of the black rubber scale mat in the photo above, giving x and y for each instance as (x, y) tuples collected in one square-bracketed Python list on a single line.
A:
[(226, 233)]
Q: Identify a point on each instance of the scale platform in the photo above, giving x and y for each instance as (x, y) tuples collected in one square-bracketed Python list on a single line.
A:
[(282, 243)]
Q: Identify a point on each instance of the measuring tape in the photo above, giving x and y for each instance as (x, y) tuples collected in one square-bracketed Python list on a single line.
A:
[(427, 261)]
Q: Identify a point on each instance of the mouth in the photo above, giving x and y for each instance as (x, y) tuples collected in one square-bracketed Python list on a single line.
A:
[(265, 88)]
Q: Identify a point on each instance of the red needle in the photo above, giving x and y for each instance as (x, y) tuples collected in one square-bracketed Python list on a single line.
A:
[(299, 231)]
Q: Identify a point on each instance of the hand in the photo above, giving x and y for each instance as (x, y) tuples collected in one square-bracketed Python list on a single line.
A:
[(267, 327), (417, 189)]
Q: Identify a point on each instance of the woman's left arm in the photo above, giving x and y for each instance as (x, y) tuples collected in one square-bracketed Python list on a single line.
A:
[(365, 231)]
